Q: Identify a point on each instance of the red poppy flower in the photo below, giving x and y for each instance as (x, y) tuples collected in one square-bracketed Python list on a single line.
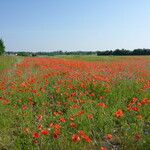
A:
[(55, 136), (71, 118), (51, 125), (85, 137), (57, 126), (39, 117), (90, 116), (26, 130), (119, 113), (109, 136), (62, 120), (103, 105), (24, 107), (23, 84), (137, 137), (36, 135), (45, 132), (135, 108), (73, 125), (103, 148), (134, 100), (35, 142), (57, 131), (75, 138), (40, 127)]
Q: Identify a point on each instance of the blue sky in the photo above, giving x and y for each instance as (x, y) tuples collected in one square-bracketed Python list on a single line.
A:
[(68, 25)]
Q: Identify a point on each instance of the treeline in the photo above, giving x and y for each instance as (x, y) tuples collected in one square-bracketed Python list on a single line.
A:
[(117, 52), (53, 53), (66, 53), (123, 52)]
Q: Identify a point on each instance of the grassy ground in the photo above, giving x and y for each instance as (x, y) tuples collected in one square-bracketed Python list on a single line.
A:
[(6, 62), (99, 58), (87, 58), (76, 103)]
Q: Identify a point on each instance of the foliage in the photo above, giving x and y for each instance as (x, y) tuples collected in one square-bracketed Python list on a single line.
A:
[(2, 47), (124, 52), (53, 53), (23, 53)]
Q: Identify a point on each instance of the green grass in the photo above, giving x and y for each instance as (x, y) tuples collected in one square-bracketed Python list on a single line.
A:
[(6, 62), (98, 58), (86, 57)]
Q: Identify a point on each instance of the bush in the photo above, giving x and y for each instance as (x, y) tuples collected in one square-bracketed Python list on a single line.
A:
[(23, 54)]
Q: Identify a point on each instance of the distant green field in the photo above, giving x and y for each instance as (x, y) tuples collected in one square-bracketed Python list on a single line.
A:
[(6, 62), (98, 58), (86, 57)]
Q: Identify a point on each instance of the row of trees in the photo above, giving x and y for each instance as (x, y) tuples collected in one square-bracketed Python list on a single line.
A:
[(123, 52), (66, 53), (117, 52), (53, 53), (2, 47)]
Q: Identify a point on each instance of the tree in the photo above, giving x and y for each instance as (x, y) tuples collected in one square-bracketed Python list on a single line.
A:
[(2, 47)]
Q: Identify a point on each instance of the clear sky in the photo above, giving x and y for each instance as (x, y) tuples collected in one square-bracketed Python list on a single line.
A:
[(68, 25)]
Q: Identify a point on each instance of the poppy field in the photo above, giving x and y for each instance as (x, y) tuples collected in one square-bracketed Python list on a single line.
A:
[(75, 104)]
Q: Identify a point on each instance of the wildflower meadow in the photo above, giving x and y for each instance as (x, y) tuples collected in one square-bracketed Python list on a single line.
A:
[(75, 104)]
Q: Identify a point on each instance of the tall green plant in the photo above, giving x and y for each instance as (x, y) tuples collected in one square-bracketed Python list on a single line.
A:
[(2, 47)]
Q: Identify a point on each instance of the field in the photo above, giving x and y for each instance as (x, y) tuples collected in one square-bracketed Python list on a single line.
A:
[(75, 103), (5, 62)]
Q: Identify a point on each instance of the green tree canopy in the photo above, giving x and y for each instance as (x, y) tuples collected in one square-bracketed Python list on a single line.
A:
[(2, 47)]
